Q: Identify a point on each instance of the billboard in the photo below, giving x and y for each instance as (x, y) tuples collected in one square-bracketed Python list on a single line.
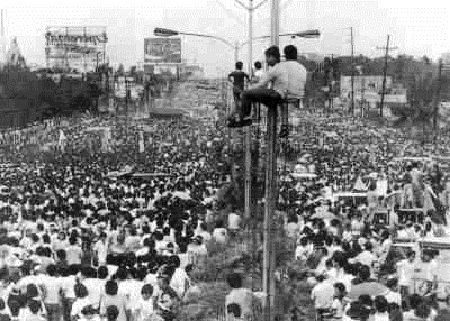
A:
[(79, 49), (162, 50)]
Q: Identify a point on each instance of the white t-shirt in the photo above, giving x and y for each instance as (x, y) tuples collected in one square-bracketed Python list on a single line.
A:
[(178, 282), (131, 289), (53, 287), (394, 297), (67, 284), (234, 220), (144, 309), (96, 288), (102, 251), (322, 295), (244, 298), (73, 254), (220, 235)]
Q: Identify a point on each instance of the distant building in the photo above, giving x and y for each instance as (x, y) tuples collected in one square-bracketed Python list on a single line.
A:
[(13, 56), (368, 89), (75, 49)]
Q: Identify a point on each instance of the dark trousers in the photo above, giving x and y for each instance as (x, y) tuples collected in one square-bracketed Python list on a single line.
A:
[(267, 97)]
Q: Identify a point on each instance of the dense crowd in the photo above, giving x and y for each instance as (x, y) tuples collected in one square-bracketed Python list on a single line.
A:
[(114, 233), (363, 199), (83, 238)]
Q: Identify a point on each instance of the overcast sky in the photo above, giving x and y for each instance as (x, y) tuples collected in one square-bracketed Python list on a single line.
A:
[(416, 27)]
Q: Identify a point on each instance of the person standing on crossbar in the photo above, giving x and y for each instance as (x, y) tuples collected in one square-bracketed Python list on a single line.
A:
[(284, 80), (238, 78)]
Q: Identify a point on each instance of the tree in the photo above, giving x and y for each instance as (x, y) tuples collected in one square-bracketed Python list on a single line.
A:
[(132, 70), (121, 69), (426, 60)]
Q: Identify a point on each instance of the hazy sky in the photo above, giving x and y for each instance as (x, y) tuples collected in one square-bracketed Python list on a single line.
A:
[(416, 27)]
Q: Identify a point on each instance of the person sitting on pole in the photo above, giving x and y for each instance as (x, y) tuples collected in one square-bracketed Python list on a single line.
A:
[(238, 78), (287, 80)]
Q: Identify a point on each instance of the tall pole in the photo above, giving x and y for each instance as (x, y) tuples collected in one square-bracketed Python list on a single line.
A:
[(331, 83), (436, 103), (271, 190), (126, 110), (352, 74), (383, 92), (248, 132), (384, 77)]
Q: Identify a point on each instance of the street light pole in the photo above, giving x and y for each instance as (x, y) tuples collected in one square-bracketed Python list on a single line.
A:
[(271, 189), (352, 74), (248, 129)]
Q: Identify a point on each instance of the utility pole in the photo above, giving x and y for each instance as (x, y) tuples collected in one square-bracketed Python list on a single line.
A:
[(126, 110), (352, 80), (331, 82), (436, 102), (248, 129), (269, 284), (386, 55)]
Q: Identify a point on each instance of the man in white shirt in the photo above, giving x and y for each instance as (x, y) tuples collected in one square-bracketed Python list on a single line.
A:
[(52, 293), (101, 249), (405, 272), (241, 296), (234, 221), (73, 253), (393, 296), (287, 80), (366, 257), (322, 294)]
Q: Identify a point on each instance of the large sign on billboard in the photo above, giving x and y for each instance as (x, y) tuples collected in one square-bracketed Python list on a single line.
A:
[(75, 48), (162, 50)]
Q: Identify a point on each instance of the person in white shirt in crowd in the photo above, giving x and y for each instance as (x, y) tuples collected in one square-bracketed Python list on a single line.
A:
[(113, 298), (82, 300), (73, 252), (366, 257), (234, 223), (393, 296), (68, 282), (52, 293), (292, 227), (243, 297), (405, 273), (101, 249), (203, 232), (303, 249), (89, 278), (220, 233), (145, 307), (322, 295)]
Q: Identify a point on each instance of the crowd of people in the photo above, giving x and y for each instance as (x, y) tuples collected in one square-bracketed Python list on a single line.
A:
[(95, 235), (97, 228), (364, 198)]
